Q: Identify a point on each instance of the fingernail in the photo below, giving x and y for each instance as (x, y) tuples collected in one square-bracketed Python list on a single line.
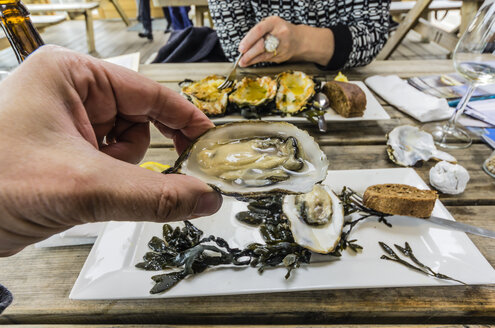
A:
[(208, 204), (241, 48)]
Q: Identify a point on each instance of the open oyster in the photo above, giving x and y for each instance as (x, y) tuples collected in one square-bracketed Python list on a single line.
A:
[(254, 158), (254, 92), (407, 145), (316, 218), (295, 90), (205, 95)]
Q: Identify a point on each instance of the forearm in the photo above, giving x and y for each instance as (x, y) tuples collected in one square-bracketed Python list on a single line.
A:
[(316, 44)]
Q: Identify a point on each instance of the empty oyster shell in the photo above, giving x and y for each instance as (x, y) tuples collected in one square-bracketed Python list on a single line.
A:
[(295, 90), (255, 158), (406, 145), (205, 95), (449, 178), (316, 218)]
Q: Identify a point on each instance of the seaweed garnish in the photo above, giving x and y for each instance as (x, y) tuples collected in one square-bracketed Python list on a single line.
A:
[(416, 265), (187, 252)]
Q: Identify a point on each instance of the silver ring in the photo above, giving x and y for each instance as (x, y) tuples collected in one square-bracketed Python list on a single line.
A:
[(271, 43)]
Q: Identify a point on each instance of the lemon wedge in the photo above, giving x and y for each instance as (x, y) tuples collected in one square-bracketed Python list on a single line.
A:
[(155, 166), (341, 78)]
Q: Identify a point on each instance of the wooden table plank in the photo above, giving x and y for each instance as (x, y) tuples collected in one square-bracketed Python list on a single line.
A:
[(195, 71), (479, 191), (41, 279)]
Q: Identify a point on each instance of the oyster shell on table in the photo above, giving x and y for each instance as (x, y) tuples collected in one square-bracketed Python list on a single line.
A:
[(295, 90), (407, 145), (254, 92), (205, 95), (316, 218), (255, 158)]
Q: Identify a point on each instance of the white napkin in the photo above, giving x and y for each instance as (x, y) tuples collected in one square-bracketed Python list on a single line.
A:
[(399, 93), (78, 235)]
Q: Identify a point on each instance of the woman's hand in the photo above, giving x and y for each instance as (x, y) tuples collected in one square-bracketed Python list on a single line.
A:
[(296, 43), (69, 127)]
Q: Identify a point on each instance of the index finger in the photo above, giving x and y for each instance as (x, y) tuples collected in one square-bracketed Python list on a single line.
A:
[(137, 95), (255, 34)]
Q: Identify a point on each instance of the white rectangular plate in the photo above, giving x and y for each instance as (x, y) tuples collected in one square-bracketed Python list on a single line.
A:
[(374, 111), (109, 271)]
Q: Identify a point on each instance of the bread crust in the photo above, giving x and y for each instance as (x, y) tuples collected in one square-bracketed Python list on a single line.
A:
[(347, 99), (400, 199)]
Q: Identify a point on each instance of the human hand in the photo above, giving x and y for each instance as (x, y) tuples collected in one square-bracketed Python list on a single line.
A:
[(296, 43), (69, 127), (253, 44)]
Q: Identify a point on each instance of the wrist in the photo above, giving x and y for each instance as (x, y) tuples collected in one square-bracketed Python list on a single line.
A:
[(314, 44)]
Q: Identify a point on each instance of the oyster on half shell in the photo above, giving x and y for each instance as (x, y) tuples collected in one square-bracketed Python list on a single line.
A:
[(316, 218), (205, 95), (255, 158), (407, 145), (254, 92), (295, 90)]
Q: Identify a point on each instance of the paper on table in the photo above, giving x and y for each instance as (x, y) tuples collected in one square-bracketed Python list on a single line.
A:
[(130, 61), (483, 110), (399, 93)]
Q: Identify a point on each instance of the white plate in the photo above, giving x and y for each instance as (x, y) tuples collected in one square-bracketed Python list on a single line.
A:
[(109, 271), (374, 111)]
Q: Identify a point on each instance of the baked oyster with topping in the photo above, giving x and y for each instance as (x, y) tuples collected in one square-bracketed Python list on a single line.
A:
[(205, 95), (254, 158), (254, 93), (295, 90), (316, 218)]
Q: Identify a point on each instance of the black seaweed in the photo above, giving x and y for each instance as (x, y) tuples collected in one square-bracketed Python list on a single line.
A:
[(416, 265), (188, 252)]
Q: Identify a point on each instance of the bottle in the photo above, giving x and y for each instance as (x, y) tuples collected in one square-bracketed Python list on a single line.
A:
[(17, 25)]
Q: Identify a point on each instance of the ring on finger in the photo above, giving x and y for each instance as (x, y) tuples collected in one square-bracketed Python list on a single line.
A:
[(271, 43)]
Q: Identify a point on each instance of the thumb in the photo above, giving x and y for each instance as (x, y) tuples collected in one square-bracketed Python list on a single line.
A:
[(125, 192)]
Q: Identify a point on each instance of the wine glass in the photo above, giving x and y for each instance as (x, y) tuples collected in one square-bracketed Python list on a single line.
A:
[(474, 59)]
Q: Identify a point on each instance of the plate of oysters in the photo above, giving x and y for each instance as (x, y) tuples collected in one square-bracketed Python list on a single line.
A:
[(287, 223), (290, 96)]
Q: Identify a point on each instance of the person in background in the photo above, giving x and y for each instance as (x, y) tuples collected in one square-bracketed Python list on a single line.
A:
[(69, 149), (144, 16), (331, 33)]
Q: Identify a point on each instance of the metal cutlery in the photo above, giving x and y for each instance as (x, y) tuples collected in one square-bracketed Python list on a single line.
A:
[(229, 81)]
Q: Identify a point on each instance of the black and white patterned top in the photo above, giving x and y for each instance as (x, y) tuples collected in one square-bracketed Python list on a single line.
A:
[(360, 27)]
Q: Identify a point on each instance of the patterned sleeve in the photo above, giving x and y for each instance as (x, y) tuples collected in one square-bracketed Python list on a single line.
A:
[(367, 22), (232, 20)]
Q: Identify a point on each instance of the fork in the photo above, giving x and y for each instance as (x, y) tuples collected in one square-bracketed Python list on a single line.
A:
[(230, 78)]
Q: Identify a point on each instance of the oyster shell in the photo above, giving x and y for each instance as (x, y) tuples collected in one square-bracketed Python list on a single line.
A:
[(295, 90), (254, 92), (316, 218), (254, 158), (205, 95), (407, 145)]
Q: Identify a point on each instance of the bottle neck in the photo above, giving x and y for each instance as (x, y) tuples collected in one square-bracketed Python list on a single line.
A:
[(17, 25)]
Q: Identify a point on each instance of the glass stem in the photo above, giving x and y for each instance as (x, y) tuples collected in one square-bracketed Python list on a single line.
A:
[(461, 106)]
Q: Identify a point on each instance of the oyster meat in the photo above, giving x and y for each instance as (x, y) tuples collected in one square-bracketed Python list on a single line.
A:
[(205, 95), (295, 90), (407, 145), (316, 218), (254, 158), (254, 92)]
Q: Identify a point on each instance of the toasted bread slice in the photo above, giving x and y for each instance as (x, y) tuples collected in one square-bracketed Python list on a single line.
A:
[(400, 199), (347, 99)]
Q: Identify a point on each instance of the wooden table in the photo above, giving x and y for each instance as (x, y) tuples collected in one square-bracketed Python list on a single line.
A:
[(42, 279)]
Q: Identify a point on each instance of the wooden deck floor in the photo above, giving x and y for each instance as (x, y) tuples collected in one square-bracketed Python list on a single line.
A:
[(113, 39)]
